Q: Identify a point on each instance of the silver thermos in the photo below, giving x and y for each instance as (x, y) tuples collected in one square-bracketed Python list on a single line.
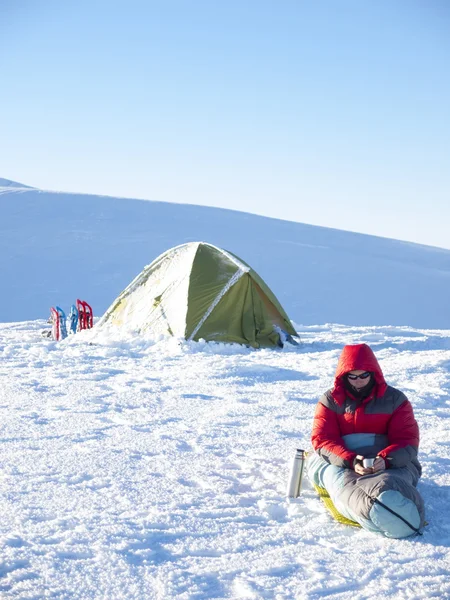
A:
[(296, 474)]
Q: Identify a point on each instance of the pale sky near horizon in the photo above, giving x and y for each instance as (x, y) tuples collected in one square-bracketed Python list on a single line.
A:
[(334, 113)]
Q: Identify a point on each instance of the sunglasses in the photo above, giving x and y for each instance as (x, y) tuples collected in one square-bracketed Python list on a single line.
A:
[(364, 375)]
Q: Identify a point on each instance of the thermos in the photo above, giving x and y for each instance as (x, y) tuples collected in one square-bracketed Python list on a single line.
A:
[(368, 462), (296, 474)]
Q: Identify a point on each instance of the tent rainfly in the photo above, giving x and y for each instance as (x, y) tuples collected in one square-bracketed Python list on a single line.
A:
[(198, 291)]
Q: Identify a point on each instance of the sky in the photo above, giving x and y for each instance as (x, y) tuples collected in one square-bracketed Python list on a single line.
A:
[(327, 113)]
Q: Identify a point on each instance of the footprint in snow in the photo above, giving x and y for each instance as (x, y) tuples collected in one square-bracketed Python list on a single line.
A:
[(274, 510), (184, 447), (74, 555), (14, 541), (37, 419), (76, 479), (15, 565), (188, 483)]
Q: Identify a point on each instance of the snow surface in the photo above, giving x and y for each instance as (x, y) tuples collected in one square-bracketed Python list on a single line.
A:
[(138, 469), (134, 468), (56, 247), (13, 185)]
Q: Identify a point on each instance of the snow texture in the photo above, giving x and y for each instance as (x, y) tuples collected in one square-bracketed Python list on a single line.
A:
[(140, 469), (137, 468)]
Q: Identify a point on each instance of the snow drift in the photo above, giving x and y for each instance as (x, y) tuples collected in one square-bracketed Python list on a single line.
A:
[(55, 247)]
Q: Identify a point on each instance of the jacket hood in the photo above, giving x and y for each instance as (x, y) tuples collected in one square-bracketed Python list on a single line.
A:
[(357, 357)]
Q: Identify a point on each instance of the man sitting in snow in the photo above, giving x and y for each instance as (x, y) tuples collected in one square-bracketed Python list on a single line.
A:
[(361, 418)]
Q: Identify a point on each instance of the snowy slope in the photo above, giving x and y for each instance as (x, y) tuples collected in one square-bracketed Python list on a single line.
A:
[(55, 247), (133, 470), (12, 185)]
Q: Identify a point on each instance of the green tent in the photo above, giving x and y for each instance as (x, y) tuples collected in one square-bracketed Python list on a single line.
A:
[(198, 291)]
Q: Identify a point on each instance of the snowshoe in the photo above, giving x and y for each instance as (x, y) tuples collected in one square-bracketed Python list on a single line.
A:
[(62, 323), (85, 315), (73, 319)]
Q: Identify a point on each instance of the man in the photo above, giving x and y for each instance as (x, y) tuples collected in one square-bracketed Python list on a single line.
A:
[(360, 418)]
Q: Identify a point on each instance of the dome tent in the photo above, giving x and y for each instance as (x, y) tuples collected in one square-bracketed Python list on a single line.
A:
[(198, 291)]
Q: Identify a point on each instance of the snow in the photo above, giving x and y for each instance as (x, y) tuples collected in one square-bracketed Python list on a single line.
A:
[(56, 247), (141, 469), (12, 185), (138, 468)]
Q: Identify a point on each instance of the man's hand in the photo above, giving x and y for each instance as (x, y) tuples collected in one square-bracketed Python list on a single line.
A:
[(379, 464), (358, 466)]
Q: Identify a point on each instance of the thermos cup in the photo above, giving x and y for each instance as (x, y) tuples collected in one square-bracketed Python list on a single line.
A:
[(368, 462), (296, 474)]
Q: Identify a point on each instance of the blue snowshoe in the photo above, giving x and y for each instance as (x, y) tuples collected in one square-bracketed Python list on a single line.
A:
[(62, 323), (73, 319)]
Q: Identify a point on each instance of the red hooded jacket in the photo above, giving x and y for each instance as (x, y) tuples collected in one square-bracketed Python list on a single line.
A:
[(386, 411)]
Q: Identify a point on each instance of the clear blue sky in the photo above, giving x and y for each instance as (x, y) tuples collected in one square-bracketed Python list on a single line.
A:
[(334, 113)]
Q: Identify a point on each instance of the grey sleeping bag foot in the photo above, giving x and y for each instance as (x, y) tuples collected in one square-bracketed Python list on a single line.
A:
[(386, 502)]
